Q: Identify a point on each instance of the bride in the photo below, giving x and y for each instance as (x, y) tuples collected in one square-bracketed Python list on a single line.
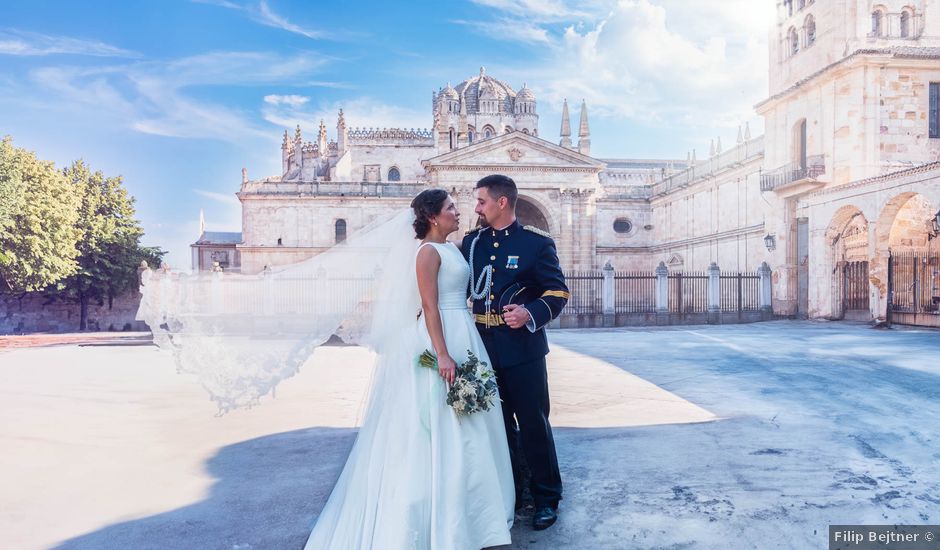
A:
[(419, 477)]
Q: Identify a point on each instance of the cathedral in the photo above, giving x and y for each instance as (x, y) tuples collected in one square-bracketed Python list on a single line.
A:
[(846, 175)]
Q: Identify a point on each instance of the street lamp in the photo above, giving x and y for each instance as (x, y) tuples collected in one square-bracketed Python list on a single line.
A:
[(935, 224), (770, 241)]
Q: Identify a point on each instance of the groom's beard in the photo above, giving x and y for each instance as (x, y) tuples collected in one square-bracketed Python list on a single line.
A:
[(481, 221)]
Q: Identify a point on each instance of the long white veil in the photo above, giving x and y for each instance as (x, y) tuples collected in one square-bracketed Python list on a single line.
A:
[(241, 335)]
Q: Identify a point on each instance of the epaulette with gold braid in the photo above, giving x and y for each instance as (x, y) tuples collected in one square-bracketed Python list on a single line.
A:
[(536, 230)]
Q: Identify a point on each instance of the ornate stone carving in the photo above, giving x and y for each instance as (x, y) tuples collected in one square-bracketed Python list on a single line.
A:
[(515, 154), (390, 134)]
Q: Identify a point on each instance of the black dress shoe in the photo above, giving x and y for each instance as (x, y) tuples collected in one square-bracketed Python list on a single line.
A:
[(544, 518)]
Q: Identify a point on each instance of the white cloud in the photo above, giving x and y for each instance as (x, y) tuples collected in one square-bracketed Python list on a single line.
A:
[(669, 62), (151, 97), (13, 42), (228, 199), (268, 17), (364, 112), (291, 100), (508, 30), (541, 10), (262, 13)]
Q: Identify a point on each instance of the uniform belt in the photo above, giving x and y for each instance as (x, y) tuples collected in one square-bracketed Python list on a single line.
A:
[(489, 319)]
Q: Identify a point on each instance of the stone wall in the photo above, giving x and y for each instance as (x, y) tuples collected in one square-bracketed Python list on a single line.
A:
[(33, 312)]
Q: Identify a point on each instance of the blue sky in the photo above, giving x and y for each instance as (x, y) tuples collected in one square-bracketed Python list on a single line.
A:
[(177, 96)]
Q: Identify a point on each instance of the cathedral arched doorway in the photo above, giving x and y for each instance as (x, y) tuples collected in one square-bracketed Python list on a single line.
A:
[(911, 281), (528, 213), (847, 236)]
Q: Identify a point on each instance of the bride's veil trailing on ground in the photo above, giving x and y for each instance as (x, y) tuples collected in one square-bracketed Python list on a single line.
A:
[(241, 335)]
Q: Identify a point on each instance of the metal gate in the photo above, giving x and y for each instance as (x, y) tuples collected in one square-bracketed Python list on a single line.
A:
[(802, 270), (914, 288), (855, 287)]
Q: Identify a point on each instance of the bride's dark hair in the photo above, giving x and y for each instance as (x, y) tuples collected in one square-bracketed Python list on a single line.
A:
[(428, 203)]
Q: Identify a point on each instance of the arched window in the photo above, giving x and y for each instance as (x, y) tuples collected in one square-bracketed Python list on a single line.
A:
[(799, 143), (876, 18), (905, 24), (508, 130), (394, 174), (793, 40), (525, 131), (453, 138), (801, 4), (488, 132), (789, 7), (810, 27), (471, 133), (340, 230)]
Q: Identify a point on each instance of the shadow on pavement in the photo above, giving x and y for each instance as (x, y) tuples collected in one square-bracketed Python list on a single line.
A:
[(267, 495)]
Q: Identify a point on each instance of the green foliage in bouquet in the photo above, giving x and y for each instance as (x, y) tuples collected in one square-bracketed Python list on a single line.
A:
[(474, 388)]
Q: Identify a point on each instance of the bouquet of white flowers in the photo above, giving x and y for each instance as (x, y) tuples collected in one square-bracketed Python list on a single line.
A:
[(474, 388)]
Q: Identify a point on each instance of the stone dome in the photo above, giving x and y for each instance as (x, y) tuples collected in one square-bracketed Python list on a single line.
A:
[(473, 87), (525, 94), (450, 93)]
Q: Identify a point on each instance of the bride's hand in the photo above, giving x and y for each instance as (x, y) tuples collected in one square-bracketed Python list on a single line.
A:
[(447, 368)]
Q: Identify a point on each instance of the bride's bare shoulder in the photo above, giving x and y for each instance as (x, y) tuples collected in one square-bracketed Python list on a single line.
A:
[(427, 251)]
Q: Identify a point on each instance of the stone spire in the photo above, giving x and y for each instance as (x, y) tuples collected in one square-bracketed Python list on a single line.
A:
[(747, 131), (342, 134), (202, 222), (740, 135), (718, 146), (286, 150), (321, 138), (584, 132), (565, 127), (298, 138), (711, 149)]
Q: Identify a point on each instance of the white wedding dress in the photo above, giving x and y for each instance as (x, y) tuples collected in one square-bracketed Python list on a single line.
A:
[(419, 477)]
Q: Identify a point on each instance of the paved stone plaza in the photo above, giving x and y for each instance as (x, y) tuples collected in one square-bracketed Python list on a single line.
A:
[(745, 436)]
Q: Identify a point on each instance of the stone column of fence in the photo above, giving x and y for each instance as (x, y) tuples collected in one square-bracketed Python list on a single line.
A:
[(662, 288), (610, 314), (765, 290), (714, 294)]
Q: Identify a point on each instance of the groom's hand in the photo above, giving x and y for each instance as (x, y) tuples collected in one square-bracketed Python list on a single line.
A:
[(515, 315)]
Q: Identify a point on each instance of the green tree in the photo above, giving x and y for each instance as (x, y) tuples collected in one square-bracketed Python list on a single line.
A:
[(38, 211), (109, 250)]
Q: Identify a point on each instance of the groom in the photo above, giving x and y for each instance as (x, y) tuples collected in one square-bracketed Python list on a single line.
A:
[(526, 291)]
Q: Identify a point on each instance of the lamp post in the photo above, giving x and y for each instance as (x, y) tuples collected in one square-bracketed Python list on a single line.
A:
[(770, 241)]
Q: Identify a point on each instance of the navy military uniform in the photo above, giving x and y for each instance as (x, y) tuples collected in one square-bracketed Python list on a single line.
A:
[(525, 272)]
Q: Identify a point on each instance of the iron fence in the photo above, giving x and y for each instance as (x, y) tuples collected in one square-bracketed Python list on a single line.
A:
[(812, 168), (739, 292), (587, 292), (688, 292), (855, 286), (634, 292), (914, 278)]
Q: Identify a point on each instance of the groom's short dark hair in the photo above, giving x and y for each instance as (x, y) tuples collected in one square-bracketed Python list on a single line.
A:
[(498, 185)]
